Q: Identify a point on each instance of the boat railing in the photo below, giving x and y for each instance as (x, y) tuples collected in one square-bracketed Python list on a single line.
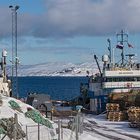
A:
[(122, 69)]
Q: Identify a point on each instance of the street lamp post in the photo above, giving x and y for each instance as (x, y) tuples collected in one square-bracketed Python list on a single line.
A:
[(14, 50)]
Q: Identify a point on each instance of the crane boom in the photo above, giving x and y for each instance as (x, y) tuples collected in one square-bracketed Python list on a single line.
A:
[(96, 59)]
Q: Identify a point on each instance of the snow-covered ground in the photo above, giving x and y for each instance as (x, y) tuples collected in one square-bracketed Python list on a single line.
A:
[(26, 123), (95, 127), (99, 127)]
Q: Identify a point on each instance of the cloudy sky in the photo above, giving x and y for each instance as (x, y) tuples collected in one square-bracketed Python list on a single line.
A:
[(68, 30)]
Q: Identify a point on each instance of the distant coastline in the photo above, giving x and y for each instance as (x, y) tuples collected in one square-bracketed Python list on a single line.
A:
[(56, 69)]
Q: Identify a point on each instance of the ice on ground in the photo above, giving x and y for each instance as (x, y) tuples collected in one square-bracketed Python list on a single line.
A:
[(95, 127), (27, 124)]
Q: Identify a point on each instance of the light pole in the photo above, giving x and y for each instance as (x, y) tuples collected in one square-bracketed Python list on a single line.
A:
[(14, 50)]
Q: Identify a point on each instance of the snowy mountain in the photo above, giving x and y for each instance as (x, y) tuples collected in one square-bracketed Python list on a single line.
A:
[(57, 69)]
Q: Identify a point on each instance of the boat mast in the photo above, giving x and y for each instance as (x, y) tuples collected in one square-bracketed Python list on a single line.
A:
[(109, 48), (122, 54), (123, 38)]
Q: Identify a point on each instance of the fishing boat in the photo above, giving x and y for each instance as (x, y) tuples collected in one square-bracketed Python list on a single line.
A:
[(114, 77)]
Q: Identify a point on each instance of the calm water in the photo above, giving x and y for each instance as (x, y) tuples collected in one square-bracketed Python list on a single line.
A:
[(62, 88)]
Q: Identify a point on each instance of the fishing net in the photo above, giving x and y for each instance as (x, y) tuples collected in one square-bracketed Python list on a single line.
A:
[(2, 131), (14, 105), (38, 118), (7, 127)]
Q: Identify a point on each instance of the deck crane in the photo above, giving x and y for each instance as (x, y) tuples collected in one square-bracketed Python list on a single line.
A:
[(96, 59)]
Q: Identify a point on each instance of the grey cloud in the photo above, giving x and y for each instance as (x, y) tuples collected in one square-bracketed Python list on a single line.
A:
[(78, 18), (26, 23), (5, 22)]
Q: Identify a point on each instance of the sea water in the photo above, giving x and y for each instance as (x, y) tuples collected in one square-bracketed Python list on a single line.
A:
[(59, 88)]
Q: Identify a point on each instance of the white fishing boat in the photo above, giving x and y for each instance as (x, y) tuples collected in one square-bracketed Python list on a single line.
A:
[(120, 77)]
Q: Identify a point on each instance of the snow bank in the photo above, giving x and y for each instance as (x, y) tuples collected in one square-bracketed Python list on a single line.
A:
[(94, 127), (27, 124)]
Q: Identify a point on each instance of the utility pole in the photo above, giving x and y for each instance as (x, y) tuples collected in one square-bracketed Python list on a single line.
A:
[(15, 60)]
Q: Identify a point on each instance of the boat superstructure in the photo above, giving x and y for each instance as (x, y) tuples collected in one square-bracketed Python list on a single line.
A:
[(121, 80), (120, 77)]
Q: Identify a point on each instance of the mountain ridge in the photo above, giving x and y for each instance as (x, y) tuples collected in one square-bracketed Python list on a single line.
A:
[(57, 69)]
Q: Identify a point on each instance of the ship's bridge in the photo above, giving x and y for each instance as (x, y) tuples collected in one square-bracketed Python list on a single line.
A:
[(121, 79), (121, 73)]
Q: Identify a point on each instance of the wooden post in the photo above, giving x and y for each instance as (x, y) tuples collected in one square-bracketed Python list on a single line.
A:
[(76, 127), (81, 124), (38, 131), (59, 125), (51, 115), (61, 131), (26, 132), (15, 126)]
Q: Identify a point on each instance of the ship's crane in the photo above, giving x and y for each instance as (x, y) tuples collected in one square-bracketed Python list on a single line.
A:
[(96, 59)]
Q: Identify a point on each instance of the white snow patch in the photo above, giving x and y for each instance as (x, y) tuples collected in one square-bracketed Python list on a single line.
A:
[(95, 127)]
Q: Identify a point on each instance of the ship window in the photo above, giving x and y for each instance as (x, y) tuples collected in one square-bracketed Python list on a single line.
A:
[(138, 78), (105, 80), (121, 79), (113, 80), (108, 80), (135, 79)]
